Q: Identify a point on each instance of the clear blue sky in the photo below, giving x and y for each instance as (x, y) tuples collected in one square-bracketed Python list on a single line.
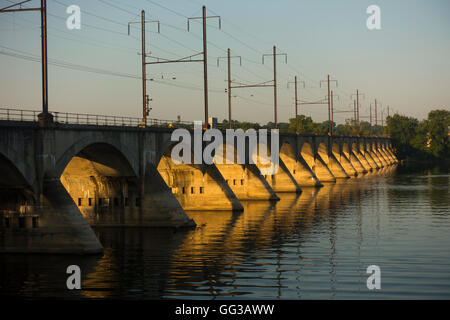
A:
[(404, 65)]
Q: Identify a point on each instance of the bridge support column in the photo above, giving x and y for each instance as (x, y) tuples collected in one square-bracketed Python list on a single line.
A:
[(58, 227), (198, 187), (282, 181), (356, 163), (298, 168), (303, 174), (362, 159), (57, 224), (346, 164), (247, 182), (376, 159), (371, 160), (387, 156), (322, 171), (381, 158), (336, 168), (72, 233), (159, 207), (389, 150)]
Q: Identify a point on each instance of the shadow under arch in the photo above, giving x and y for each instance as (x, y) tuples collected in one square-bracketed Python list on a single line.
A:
[(103, 184), (15, 190), (84, 146)]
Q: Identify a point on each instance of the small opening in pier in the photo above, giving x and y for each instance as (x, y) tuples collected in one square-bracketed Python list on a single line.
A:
[(80, 201), (201, 189), (35, 222), (242, 182), (90, 202), (116, 202), (192, 189), (22, 222), (183, 190), (234, 182), (100, 201)]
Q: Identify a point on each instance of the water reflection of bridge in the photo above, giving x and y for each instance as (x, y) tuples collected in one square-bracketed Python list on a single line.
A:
[(211, 259), (230, 251)]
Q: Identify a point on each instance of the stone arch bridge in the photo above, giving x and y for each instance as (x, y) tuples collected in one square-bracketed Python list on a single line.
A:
[(57, 181)]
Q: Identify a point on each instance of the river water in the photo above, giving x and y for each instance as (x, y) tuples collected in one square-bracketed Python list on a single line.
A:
[(316, 245)]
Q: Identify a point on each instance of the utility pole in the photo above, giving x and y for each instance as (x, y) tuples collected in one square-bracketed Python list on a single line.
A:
[(229, 57), (45, 116), (388, 131), (370, 117), (229, 87), (329, 101), (205, 57), (332, 113), (357, 107), (145, 98), (275, 83), (357, 117), (329, 106), (144, 80), (296, 102), (188, 58), (296, 106), (376, 120), (205, 64), (275, 54)]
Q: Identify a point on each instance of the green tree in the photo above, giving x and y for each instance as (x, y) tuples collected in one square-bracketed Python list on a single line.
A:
[(402, 130), (305, 125), (438, 124)]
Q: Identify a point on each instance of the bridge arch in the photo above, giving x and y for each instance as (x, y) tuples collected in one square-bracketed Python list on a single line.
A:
[(125, 154), (101, 181)]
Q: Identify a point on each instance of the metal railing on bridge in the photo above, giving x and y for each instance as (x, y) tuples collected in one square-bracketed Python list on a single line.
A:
[(101, 120), (90, 119)]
